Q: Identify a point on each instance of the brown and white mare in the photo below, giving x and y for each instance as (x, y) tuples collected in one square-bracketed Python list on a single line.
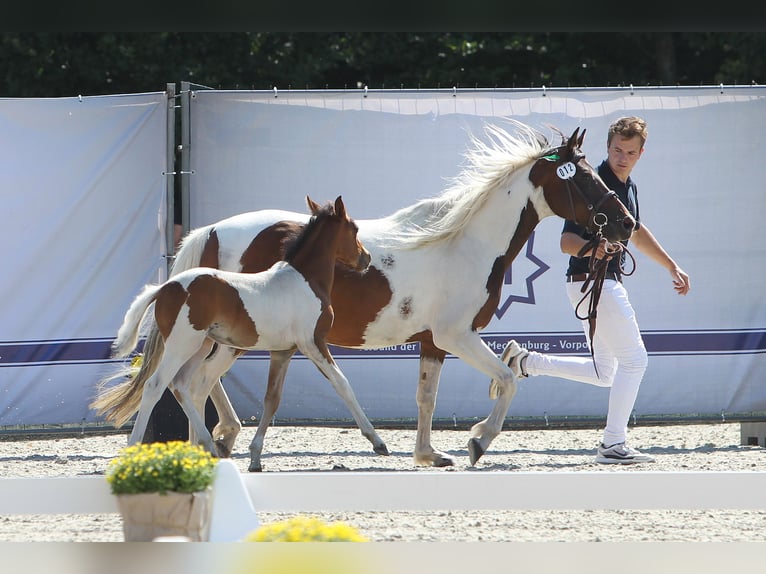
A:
[(411, 292), (283, 309)]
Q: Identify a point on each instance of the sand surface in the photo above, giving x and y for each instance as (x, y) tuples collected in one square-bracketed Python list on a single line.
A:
[(698, 447)]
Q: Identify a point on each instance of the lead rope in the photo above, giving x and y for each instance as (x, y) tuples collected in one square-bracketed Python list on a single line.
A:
[(596, 275)]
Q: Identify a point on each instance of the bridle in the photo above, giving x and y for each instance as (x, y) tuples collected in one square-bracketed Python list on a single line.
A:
[(593, 223)]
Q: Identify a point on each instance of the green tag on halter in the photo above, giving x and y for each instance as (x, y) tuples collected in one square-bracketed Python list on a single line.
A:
[(552, 157)]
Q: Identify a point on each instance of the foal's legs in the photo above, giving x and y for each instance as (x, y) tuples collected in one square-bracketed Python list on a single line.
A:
[(341, 385), (182, 387), (279, 361), (179, 351), (226, 431), (207, 381)]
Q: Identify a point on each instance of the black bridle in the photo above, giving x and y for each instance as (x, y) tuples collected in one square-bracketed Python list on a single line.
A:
[(593, 224)]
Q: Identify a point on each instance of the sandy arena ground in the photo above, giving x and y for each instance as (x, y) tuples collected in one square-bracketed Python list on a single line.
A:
[(699, 447)]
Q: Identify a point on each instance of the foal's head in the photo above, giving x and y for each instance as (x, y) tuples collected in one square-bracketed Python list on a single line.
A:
[(574, 190), (333, 220)]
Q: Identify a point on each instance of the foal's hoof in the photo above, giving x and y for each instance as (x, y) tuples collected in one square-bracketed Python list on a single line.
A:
[(475, 451), (381, 449)]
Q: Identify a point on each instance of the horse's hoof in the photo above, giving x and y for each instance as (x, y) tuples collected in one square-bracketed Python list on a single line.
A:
[(443, 461), (381, 449), (223, 450), (475, 451), (255, 468), (434, 459)]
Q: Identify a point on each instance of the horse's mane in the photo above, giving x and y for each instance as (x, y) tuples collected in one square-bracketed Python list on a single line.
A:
[(297, 244), (488, 166)]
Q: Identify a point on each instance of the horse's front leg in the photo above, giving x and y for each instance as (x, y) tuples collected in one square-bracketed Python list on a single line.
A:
[(476, 353), (278, 363), (431, 362), (484, 432), (320, 356)]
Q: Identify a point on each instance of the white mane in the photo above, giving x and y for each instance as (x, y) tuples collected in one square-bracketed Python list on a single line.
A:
[(488, 167)]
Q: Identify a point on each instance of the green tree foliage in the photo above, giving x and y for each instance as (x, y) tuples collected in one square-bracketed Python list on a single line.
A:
[(66, 64)]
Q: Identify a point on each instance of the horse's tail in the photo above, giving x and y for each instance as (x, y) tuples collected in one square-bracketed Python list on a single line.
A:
[(190, 252), (121, 401), (127, 336)]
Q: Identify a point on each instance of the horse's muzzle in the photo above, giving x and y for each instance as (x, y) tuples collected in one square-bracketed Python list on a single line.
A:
[(621, 229), (364, 261)]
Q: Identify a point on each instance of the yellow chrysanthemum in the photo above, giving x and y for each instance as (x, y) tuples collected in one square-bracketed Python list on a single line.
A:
[(176, 466), (306, 529)]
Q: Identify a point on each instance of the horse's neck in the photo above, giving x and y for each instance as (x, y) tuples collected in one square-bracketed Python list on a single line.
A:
[(527, 223), (509, 216), (318, 269)]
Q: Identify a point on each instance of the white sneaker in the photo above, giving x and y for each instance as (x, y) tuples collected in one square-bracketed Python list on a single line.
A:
[(512, 356), (620, 453)]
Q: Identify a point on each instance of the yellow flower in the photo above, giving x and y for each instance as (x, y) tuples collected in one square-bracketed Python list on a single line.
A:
[(305, 529), (175, 466)]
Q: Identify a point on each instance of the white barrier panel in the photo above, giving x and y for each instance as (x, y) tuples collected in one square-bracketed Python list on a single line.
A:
[(425, 490), (83, 190), (384, 150)]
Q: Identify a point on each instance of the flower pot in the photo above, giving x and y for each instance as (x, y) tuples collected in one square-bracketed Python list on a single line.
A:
[(148, 516)]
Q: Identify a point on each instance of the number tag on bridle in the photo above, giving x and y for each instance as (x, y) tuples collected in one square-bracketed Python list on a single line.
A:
[(566, 171)]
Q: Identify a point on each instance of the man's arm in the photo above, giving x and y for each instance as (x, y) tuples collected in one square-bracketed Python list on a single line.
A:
[(647, 244)]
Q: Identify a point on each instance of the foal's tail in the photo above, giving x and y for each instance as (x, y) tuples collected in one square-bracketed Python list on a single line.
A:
[(121, 401), (127, 336)]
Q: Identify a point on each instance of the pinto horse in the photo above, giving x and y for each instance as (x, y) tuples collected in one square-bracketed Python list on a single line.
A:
[(283, 309), (410, 293)]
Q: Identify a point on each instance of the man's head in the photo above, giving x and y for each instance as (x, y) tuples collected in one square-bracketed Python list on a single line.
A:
[(625, 144)]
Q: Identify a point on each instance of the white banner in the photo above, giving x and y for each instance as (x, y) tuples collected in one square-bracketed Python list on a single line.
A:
[(700, 191), (83, 217)]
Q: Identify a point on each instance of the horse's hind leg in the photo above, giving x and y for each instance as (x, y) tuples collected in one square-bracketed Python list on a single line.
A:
[(228, 428), (428, 384), (173, 359), (278, 363), (207, 382), (184, 391), (341, 385), (153, 389)]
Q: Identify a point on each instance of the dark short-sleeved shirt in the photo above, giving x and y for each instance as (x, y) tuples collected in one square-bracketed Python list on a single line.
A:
[(628, 194)]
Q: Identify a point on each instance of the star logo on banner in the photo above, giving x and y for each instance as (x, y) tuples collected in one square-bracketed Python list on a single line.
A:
[(529, 268)]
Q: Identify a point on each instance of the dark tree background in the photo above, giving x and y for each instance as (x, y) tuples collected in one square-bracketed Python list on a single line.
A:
[(37, 64)]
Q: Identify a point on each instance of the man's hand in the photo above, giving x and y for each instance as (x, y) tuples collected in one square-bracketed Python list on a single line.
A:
[(607, 249), (681, 282)]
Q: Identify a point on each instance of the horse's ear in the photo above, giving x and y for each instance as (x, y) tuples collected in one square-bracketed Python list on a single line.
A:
[(340, 209), (572, 143), (314, 207), (581, 138)]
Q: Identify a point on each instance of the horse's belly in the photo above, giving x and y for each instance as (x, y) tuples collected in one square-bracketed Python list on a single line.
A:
[(283, 311)]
